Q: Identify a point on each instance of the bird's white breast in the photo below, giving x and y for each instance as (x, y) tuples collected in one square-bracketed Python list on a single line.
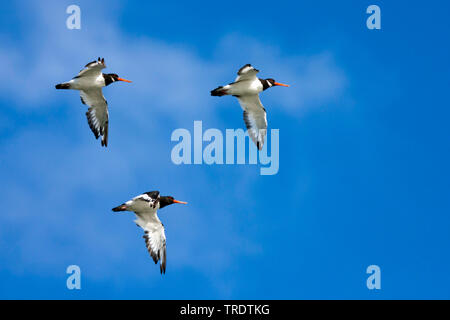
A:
[(246, 87), (88, 82)]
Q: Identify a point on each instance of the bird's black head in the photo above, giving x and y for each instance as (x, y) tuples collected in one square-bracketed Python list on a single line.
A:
[(268, 83), (168, 200), (112, 77)]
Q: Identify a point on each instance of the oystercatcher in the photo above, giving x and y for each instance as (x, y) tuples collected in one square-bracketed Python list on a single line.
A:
[(145, 206), (246, 88), (90, 82)]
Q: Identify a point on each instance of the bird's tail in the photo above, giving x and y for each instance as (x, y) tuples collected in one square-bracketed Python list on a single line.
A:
[(63, 86), (122, 207), (218, 92)]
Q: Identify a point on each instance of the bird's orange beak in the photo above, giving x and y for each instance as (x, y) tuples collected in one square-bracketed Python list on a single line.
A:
[(182, 202), (124, 80), (280, 84)]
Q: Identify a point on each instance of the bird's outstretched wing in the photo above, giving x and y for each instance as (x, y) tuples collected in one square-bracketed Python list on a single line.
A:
[(255, 118), (155, 240), (97, 115), (152, 197), (93, 68), (247, 72)]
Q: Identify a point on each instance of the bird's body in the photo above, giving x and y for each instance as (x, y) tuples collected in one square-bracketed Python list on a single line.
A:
[(145, 207), (90, 82), (247, 88)]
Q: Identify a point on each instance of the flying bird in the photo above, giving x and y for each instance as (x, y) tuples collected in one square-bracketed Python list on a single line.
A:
[(246, 88), (145, 207), (90, 82)]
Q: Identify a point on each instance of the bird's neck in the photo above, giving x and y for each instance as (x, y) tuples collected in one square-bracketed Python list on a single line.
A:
[(266, 84), (108, 79)]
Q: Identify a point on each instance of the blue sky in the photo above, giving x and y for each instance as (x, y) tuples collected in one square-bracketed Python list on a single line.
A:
[(364, 151)]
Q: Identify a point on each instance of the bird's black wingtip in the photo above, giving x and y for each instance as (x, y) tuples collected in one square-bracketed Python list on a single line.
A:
[(259, 145)]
